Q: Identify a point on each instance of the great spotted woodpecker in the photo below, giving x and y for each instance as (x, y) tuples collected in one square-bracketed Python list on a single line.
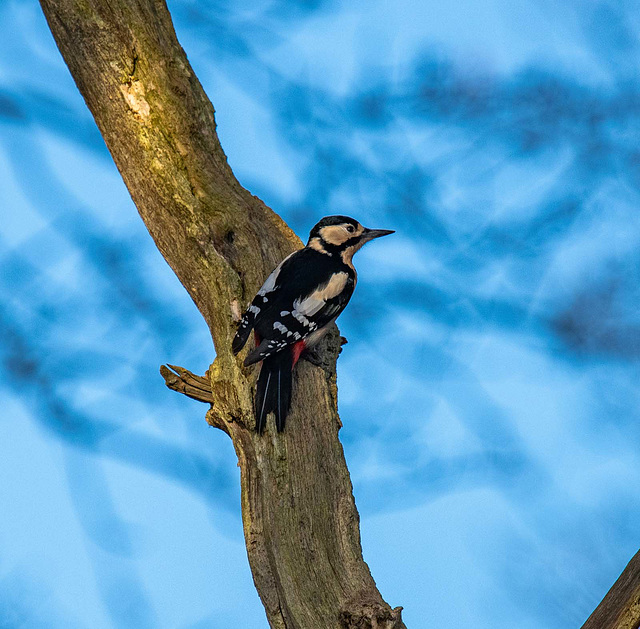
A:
[(296, 305)]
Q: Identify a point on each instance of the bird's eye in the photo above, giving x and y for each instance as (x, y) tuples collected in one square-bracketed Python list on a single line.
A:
[(350, 228)]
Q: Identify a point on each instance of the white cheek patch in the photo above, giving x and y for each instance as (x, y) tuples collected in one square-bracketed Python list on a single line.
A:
[(334, 234)]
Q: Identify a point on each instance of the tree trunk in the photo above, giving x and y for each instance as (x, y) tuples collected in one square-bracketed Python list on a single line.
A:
[(301, 525), (300, 521)]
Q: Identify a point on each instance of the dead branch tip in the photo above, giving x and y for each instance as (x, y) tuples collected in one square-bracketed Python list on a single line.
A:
[(183, 381)]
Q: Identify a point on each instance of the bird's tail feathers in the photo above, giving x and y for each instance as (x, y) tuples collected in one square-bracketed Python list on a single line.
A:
[(273, 391)]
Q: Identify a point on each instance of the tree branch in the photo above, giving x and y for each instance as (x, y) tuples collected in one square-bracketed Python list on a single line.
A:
[(301, 525), (300, 520), (620, 608), (183, 381)]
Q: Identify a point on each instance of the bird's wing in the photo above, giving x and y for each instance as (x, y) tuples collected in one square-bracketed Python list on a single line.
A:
[(259, 304), (300, 313)]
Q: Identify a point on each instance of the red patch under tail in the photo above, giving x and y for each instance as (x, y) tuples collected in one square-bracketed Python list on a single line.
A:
[(297, 349)]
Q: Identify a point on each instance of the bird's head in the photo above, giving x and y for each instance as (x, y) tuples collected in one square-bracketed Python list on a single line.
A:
[(342, 235)]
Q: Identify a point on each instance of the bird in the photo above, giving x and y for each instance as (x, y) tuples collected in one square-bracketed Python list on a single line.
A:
[(295, 306)]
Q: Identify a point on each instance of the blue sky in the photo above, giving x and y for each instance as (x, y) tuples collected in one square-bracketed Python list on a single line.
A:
[(489, 390)]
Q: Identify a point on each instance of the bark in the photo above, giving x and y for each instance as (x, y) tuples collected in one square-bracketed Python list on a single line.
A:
[(300, 521), (301, 525), (620, 608)]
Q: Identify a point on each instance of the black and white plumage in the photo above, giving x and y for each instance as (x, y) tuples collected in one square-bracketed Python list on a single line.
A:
[(303, 295)]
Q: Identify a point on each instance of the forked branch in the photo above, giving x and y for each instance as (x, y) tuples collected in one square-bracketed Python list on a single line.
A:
[(183, 381)]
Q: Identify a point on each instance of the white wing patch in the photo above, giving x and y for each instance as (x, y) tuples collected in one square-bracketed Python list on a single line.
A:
[(309, 305), (279, 326), (300, 318), (270, 282)]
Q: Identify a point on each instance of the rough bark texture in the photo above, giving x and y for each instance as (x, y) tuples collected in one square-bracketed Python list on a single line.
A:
[(620, 608), (300, 521)]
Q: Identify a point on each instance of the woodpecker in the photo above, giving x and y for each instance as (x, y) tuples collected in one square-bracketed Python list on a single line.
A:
[(296, 305)]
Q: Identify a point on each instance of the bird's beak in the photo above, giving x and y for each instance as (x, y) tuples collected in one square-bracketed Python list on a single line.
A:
[(370, 234)]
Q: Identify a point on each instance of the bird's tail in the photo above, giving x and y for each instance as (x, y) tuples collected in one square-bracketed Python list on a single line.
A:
[(273, 391)]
